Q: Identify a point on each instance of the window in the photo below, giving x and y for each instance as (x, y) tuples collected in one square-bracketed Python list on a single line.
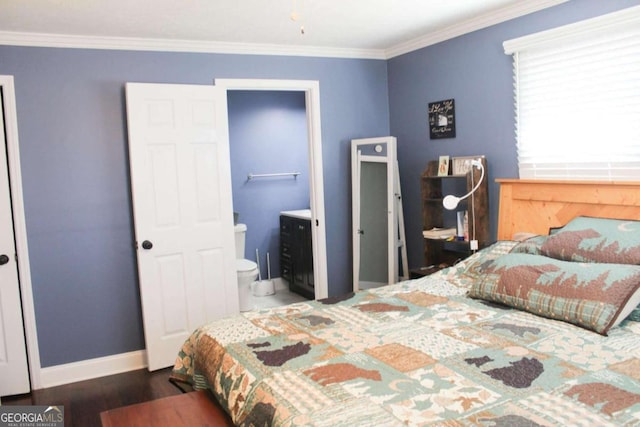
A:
[(577, 97)]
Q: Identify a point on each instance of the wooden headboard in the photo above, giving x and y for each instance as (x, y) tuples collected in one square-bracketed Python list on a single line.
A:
[(533, 206)]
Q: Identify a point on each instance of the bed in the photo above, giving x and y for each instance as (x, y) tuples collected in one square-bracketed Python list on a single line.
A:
[(539, 332)]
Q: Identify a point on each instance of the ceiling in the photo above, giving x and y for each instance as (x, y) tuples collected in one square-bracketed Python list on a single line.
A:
[(351, 28)]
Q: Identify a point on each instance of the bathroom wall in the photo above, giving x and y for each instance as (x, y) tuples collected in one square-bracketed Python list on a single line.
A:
[(267, 134)]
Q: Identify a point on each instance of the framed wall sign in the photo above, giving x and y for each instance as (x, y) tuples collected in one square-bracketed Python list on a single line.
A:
[(442, 120)]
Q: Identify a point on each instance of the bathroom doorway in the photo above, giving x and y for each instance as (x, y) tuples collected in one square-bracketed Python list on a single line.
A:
[(276, 165)]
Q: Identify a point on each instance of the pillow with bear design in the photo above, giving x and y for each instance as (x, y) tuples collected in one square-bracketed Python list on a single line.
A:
[(594, 296), (586, 239), (532, 245)]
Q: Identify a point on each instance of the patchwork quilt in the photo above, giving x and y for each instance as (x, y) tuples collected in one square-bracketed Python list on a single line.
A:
[(417, 353)]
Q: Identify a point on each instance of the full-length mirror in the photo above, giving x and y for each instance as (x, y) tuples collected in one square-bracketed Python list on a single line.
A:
[(378, 225)]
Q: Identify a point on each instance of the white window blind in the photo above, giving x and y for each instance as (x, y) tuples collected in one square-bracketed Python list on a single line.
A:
[(577, 97)]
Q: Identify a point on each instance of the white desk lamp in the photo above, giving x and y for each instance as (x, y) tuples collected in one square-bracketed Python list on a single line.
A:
[(450, 202)]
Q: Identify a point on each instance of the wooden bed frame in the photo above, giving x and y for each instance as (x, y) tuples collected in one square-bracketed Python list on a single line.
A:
[(533, 206)]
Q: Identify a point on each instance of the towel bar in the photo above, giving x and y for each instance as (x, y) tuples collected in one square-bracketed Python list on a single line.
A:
[(269, 175)]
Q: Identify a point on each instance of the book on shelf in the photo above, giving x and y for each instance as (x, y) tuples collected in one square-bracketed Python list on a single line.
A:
[(439, 233), (462, 225)]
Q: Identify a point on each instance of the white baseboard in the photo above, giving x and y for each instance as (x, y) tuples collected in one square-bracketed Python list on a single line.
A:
[(95, 368), (92, 368)]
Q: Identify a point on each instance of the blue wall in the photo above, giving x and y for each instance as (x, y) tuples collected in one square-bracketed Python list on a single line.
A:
[(474, 70), (268, 134), (72, 126), (73, 146)]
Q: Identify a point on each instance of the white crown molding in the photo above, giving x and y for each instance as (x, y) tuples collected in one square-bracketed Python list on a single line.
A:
[(174, 45), (516, 10), (625, 17)]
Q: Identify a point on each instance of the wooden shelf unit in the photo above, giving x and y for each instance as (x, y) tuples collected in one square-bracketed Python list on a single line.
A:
[(433, 190)]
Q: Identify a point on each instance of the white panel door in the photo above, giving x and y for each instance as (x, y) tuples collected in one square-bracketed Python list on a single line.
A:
[(181, 186), (14, 371)]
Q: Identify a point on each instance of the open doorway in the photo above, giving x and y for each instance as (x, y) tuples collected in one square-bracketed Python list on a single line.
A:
[(309, 189), (269, 151)]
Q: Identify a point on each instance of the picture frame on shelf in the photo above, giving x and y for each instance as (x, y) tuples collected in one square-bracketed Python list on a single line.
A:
[(443, 166), (462, 165)]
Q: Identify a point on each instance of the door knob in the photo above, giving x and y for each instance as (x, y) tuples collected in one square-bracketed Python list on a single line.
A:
[(147, 244), (4, 259)]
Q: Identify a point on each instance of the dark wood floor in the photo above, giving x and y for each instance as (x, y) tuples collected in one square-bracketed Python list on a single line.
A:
[(83, 401)]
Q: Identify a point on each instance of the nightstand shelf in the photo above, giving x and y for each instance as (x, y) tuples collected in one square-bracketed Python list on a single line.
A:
[(433, 190)]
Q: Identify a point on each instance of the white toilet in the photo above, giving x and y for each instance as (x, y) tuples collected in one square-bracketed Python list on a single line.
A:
[(247, 270)]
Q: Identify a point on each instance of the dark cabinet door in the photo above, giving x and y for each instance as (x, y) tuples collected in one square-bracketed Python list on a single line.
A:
[(303, 260), (296, 263), (286, 271)]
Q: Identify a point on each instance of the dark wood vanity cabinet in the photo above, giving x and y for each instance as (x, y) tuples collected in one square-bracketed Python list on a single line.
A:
[(296, 255)]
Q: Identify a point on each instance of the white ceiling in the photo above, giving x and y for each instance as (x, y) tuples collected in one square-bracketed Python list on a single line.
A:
[(355, 28)]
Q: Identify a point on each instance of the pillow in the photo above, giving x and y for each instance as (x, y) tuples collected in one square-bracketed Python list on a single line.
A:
[(631, 310), (471, 269), (635, 315), (521, 236), (532, 245), (591, 295), (587, 239)]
